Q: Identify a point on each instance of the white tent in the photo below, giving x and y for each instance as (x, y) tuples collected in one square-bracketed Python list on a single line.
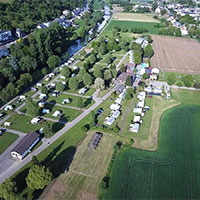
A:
[(137, 110), (35, 120), (134, 127), (136, 118), (155, 71), (115, 106), (57, 113)]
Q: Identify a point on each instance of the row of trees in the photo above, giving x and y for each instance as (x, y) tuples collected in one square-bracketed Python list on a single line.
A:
[(26, 15)]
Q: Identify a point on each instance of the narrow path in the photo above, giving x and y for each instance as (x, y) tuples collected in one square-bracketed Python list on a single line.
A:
[(121, 61), (126, 113), (78, 95), (5, 119)]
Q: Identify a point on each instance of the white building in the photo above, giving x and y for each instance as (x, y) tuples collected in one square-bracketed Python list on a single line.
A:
[(25, 145)]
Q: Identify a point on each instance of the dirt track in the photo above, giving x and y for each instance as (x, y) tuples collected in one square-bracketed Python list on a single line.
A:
[(176, 54)]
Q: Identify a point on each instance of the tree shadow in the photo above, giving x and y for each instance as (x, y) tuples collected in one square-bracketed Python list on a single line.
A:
[(64, 118), (62, 162), (57, 126), (49, 158), (87, 102)]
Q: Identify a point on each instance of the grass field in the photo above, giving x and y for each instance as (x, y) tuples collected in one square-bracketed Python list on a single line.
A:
[(23, 123), (85, 173), (6, 140), (134, 17), (172, 172), (129, 24), (87, 102)]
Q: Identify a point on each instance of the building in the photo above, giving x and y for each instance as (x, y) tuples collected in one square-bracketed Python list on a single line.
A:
[(130, 68), (5, 35), (25, 145), (95, 140), (122, 77)]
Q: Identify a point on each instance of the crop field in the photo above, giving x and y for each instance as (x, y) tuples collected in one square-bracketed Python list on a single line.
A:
[(134, 17), (176, 54), (129, 24), (85, 172), (171, 172)]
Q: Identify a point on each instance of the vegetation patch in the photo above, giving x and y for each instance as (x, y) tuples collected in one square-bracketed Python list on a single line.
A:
[(6, 140)]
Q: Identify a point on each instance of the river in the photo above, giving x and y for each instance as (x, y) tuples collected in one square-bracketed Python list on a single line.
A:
[(82, 42)]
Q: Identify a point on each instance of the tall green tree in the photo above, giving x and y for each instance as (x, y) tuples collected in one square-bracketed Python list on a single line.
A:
[(73, 84), (129, 81), (8, 190), (48, 129), (31, 107), (148, 51), (66, 72), (38, 177), (53, 61), (87, 79)]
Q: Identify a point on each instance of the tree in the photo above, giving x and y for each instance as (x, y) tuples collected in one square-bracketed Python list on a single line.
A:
[(44, 71), (48, 129), (129, 81), (44, 90), (31, 107), (107, 74), (148, 51), (92, 59), (108, 59), (38, 177), (27, 64), (53, 61), (66, 72), (73, 84), (145, 76), (80, 102), (87, 79), (8, 190), (188, 80), (149, 38), (60, 86), (171, 79), (99, 83), (98, 73), (123, 68)]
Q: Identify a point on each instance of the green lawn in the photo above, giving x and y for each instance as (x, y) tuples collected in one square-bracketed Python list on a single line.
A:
[(23, 123), (128, 24), (68, 114), (87, 102), (6, 140), (172, 172)]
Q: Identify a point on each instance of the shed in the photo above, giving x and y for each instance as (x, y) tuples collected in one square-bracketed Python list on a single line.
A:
[(118, 100), (95, 140), (115, 106), (25, 145), (109, 120)]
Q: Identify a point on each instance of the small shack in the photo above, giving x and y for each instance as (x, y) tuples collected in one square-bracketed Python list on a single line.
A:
[(95, 140)]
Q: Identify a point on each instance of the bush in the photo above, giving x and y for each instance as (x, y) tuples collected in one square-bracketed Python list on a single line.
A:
[(197, 85), (188, 81), (179, 83), (171, 79)]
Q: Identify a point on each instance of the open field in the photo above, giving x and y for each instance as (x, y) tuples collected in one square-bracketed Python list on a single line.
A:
[(176, 54), (6, 140), (172, 172), (134, 17), (85, 173), (129, 24)]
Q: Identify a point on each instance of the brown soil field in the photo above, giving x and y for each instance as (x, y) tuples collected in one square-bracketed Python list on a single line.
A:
[(134, 17), (176, 54)]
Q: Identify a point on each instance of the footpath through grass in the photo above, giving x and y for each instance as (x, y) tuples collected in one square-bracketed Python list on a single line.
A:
[(6, 140)]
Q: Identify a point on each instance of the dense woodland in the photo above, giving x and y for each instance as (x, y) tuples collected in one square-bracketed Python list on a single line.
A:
[(38, 52), (27, 14)]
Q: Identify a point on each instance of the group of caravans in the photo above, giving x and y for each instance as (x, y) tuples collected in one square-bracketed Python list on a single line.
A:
[(115, 109), (139, 110)]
